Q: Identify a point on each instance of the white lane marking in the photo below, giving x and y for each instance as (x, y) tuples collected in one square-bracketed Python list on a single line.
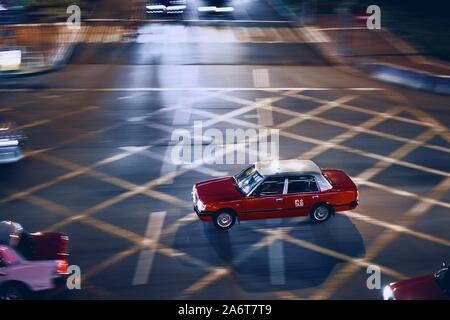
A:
[(131, 96), (313, 35), (337, 29), (146, 256), (261, 78), (265, 115), (276, 258)]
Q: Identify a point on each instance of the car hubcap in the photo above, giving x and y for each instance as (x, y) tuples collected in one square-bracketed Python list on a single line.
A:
[(224, 220), (321, 213)]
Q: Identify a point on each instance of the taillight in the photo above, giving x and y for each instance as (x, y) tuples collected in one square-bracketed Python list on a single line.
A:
[(61, 266), (64, 245)]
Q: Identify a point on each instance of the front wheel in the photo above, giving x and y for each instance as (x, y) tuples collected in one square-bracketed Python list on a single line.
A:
[(321, 213), (224, 220)]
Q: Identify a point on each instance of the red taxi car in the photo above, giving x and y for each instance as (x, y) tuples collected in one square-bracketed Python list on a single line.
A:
[(427, 287), (274, 189)]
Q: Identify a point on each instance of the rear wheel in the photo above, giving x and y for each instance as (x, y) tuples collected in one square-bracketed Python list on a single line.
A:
[(224, 219), (14, 291), (321, 213)]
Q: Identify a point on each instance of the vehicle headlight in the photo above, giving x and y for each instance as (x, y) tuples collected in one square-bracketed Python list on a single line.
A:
[(388, 294), (200, 205)]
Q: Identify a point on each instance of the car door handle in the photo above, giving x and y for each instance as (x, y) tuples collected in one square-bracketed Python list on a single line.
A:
[(315, 197), (279, 199), (3, 273)]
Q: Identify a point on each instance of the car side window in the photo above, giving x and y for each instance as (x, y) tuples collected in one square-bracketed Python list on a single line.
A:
[(271, 186), (302, 184)]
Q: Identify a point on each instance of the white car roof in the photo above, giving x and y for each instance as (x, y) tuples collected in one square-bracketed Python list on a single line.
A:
[(273, 167)]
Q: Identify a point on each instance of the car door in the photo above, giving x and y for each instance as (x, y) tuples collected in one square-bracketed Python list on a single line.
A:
[(266, 201), (302, 194)]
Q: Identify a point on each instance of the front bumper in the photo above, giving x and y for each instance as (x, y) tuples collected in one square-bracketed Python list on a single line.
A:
[(203, 215)]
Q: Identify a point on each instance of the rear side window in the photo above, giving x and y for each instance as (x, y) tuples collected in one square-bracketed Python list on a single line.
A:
[(302, 184)]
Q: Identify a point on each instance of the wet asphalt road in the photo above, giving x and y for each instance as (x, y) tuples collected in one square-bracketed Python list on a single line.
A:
[(98, 169)]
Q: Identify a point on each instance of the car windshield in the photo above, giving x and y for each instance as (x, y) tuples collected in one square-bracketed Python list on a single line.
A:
[(442, 277), (248, 179)]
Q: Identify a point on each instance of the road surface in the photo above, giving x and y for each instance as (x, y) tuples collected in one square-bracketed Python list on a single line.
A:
[(98, 165)]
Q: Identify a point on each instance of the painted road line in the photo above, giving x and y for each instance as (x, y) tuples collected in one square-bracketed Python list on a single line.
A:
[(265, 115), (400, 192), (356, 263), (146, 256), (396, 227), (381, 242), (213, 275), (261, 78), (276, 257)]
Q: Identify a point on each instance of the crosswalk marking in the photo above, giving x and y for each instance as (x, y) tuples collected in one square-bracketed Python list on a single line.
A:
[(146, 256), (161, 33)]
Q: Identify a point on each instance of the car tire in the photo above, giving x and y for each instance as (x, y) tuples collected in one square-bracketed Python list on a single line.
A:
[(224, 219), (14, 291), (321, 213)]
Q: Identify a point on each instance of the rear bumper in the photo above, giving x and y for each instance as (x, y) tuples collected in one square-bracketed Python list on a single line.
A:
[(345, 206), (60, 282), (354, 204)]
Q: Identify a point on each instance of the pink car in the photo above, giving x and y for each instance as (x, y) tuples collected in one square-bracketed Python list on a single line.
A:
[(20, 277)]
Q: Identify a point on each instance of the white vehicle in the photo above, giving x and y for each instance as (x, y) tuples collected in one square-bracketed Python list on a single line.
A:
[(19, 278), (11, 143), (166, 7)]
